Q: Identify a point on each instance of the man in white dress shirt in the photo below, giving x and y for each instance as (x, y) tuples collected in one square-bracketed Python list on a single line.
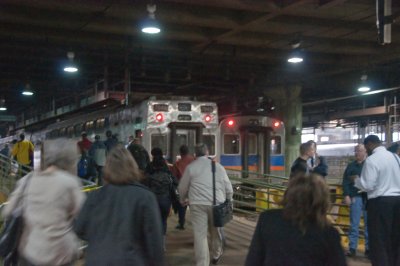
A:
[(196, 185), (380, 178)]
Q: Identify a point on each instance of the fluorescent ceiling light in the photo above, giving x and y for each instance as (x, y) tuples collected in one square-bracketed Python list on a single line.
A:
[(364, 89), (151, 30), (3, 108), (27, 93), (295, 60), (70, 69)]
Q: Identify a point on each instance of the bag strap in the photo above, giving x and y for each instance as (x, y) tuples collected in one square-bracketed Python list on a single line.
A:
[(213, 175), (395, 156)]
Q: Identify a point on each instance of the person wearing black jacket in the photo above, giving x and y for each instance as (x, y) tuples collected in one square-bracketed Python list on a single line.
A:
[(120, 221), (300, 233)]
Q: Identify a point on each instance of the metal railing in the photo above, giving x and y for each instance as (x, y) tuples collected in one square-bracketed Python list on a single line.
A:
[(262, 192)]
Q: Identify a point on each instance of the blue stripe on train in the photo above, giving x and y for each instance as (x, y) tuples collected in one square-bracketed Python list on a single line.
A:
[(235, 160)]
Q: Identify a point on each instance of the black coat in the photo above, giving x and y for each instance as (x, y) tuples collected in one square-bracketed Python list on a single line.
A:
[(122, 225), (277, 242)]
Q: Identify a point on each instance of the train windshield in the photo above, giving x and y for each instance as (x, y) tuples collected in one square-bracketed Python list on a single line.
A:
[(209, 140), (159, 141)]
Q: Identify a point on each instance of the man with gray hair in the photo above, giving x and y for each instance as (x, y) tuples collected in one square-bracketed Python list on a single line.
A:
[(196, 189)]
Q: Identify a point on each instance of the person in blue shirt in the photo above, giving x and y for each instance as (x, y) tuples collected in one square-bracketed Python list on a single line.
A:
[(356, 200)]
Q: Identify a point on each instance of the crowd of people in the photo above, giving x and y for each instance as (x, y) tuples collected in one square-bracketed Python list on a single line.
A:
[(124, 222)]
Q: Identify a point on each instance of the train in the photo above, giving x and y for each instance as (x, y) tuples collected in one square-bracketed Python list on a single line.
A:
[(251, 143)]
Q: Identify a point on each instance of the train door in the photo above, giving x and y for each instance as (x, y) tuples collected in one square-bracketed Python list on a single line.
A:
[(188, 134), (255, 155)]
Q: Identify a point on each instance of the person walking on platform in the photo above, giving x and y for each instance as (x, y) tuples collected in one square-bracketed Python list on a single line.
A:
[(196, 189), (23, 152), (139, 153), (380, 179), (84, 144), (120, 221), (110, 141), (177, 170), (300, 166), (52, 199), (160, 180), (300, 233), (356, 200), (98, 153)]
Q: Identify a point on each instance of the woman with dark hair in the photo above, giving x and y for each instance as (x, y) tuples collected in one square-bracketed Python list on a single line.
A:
[(300, 233), (159, 179), (120, 220)]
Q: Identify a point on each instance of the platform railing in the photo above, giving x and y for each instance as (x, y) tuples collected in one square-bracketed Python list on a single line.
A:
[(10, 172), (263, 192)]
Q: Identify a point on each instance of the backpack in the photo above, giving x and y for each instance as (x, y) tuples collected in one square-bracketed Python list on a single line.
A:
[(83, 165), (160, 182), (140, 155)]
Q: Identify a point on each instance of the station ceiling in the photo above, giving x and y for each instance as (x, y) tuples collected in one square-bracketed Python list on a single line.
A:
[(221, 50)]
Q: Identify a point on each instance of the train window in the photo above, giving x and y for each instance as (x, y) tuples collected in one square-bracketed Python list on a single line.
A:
[(209, 140), (276, 145), (185, 107), (78, 129), (70, 132), (159, 141), (160, 107), (231, 144), (89, 126), (252, 144), (206, 109), (100, 123), (62, 131)]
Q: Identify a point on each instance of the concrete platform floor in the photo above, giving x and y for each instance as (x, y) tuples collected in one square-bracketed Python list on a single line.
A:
[(238, 237)]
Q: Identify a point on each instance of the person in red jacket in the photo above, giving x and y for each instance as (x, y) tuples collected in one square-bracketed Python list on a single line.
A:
[(84, 144), (177, 170)]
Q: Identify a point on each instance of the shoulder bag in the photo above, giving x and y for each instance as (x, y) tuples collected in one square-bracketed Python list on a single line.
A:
[(12, 227), (223, 212)]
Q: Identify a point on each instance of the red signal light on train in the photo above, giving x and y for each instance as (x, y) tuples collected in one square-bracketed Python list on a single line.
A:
[(276, 124), (231, 122), (207, 118), (159, 117)]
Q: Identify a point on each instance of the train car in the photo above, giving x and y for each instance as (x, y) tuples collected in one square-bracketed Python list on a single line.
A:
[(166, 124), (252, 143)]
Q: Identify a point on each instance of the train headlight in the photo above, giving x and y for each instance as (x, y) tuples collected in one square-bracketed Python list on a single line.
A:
[(159, 117), (207, 118)]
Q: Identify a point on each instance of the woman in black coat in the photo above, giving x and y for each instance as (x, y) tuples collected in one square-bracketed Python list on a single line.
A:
[(121, 221), (299, 234)]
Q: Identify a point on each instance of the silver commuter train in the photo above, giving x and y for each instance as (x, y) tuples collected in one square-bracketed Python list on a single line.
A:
[(166, 124)]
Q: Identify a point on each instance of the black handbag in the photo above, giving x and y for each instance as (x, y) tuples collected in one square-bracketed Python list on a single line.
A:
[(12, 228), (223, 212)]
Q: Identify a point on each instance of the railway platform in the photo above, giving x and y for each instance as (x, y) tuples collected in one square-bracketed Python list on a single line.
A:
[(238, 232)]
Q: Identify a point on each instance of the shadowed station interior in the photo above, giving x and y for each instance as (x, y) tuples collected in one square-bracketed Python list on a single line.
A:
[(325, 70)]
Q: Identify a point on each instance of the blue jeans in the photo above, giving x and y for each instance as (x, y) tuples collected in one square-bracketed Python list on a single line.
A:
[(356, 209)]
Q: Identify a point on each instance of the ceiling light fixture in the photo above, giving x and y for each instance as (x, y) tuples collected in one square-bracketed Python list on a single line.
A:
[(364, 86), (295, 56), (27, 91), (71, 67), (150, 24), (3, 105)]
